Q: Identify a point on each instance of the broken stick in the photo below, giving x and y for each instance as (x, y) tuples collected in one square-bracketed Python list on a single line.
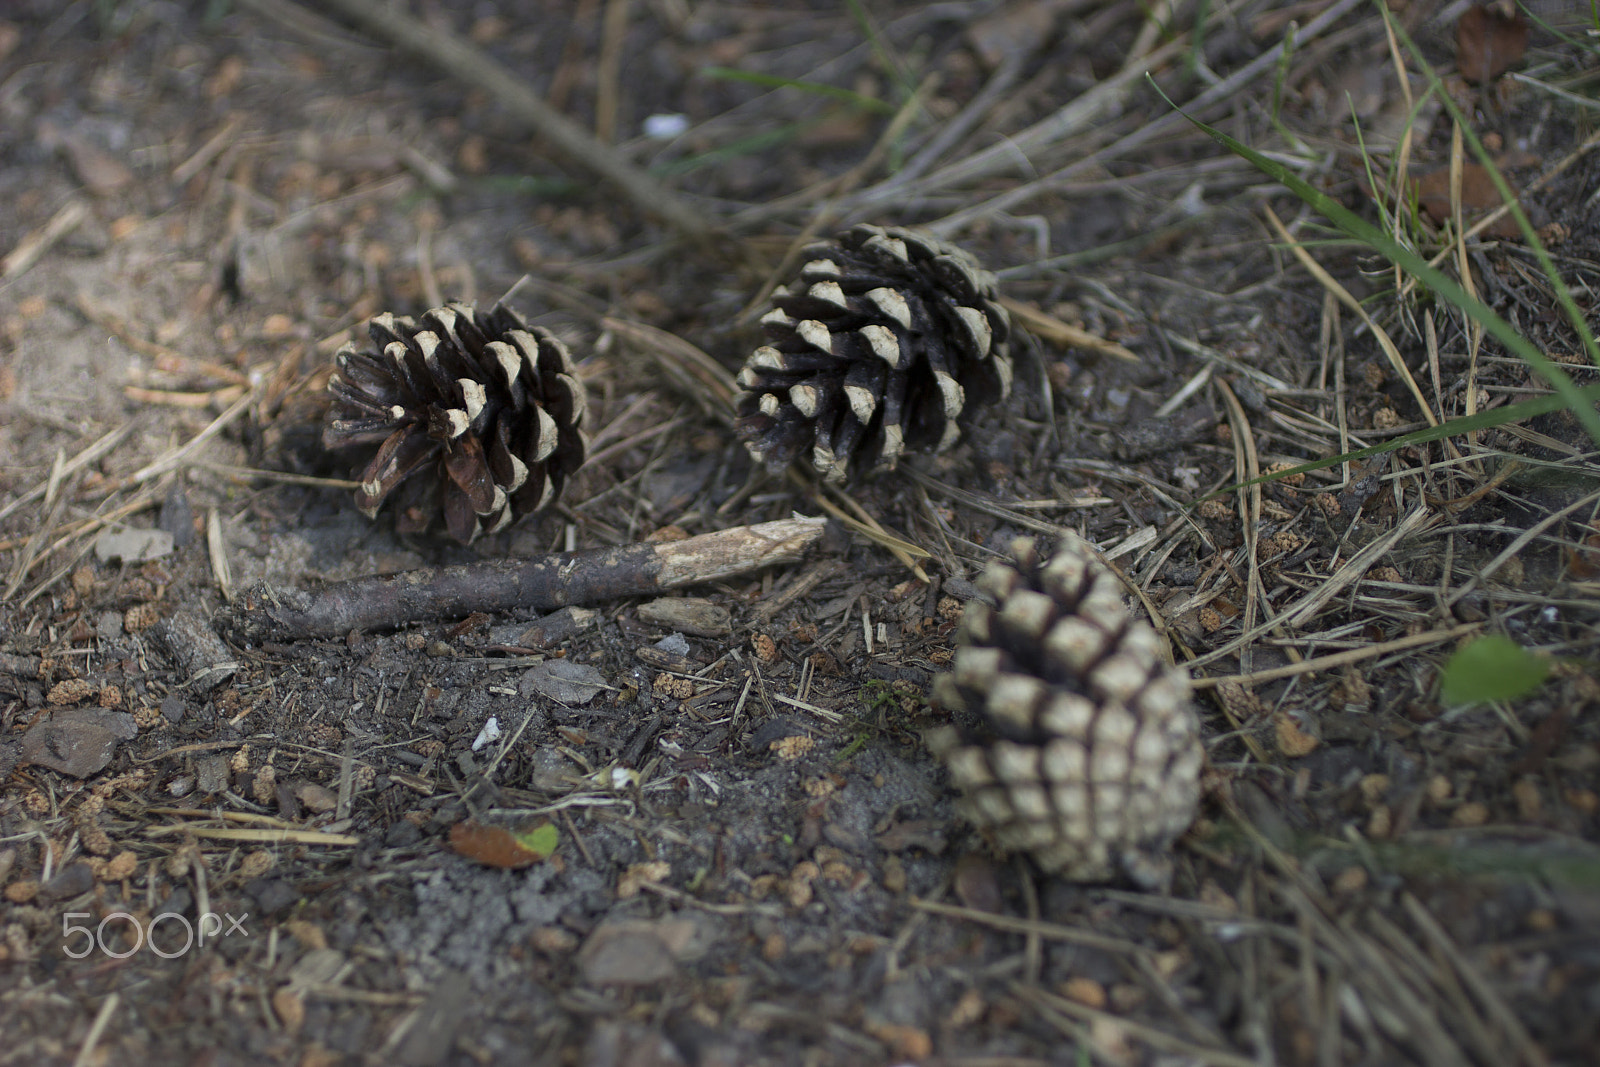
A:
[(543, 583)]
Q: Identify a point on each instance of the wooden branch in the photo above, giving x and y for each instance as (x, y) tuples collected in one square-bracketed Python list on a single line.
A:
[(543, 583), (472, 67)]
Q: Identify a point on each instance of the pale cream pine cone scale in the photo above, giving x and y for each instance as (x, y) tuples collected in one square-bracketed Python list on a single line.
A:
[(1075, 741)]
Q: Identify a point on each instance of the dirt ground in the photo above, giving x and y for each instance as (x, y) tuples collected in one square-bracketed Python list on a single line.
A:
[(756, 859)]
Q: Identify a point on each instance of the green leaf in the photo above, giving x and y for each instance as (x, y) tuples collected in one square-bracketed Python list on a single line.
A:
[(541, 839), (1491, 668)]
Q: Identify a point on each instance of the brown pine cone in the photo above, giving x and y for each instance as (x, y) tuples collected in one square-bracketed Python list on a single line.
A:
[(475, 415), (883, 342), (1081, 747)]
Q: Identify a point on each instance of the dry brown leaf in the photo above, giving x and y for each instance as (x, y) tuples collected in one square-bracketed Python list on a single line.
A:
[(1489, 42)]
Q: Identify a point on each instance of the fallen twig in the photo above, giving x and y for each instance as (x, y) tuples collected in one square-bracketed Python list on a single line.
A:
[(543, 583), (473, 67)]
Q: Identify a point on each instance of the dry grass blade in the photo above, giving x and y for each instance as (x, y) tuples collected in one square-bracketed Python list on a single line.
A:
[(1051, 1007), (177, 457), (1492, 1003), (1340, 659), (1327, 281), (1049, 931), (1247, 468), (1078, 116), (694, 372), (1416, 521), (95, 451), (473, 67), (32, 551), (1517, 544), (986, 504), (1051, 328), (37, 243), (265, 837)]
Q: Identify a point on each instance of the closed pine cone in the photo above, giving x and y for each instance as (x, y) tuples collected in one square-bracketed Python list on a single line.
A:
[(476, 416), (1086, 750), (883, 342)]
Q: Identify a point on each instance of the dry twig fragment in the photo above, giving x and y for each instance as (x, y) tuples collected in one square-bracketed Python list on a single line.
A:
[(544, 582)]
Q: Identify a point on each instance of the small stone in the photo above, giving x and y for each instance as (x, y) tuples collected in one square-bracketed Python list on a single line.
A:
[(894, 875), (317, 798), (74, 747), (22, 891), (1350, 880), (290, 1007), (1586, 801), (800, 892), (1379, 822), (1373, 788), (562, 680), (1542, 921), (977, 884), (272, 895), (553, 940), (132, 546), (1085, 991), (905, 1042), (1530, 805), (1293, 740), (1438, 790), (638, 952), (641, 874), (72, 880), (969, 1008)]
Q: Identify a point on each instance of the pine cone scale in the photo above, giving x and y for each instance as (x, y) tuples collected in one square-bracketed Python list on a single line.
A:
[(492, 406), (883, 342), (1086, 753)]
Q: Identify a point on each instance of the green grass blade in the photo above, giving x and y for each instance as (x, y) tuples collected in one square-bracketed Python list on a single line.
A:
[(1563, 295), (1441, 283), (772, 81), (1483, 420)]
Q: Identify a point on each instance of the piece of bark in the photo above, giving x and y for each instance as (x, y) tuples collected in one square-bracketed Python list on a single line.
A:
[(688, 614), (205, 661), (542, 583)]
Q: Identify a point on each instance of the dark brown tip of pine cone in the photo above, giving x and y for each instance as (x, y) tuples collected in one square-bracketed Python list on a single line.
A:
[(881, 344), (476, 416), (1079, 744)]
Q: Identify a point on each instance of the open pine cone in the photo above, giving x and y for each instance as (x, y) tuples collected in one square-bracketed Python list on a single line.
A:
[(883, 342), (475, 415), (1084, 751)]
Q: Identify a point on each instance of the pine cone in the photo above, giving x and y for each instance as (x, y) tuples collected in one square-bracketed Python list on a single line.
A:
[(474, 414), (887, 337), (1088, 753)]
